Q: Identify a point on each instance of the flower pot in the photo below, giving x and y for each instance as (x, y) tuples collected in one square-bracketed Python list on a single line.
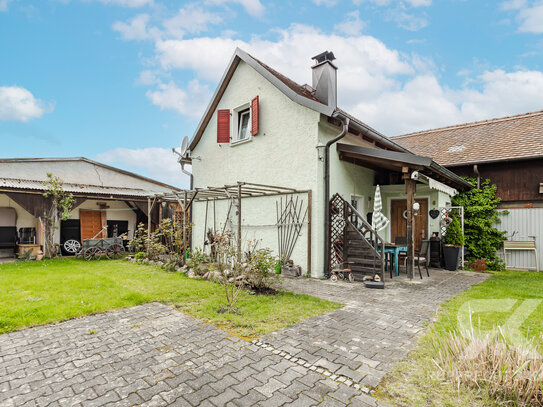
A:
[(451, 256)]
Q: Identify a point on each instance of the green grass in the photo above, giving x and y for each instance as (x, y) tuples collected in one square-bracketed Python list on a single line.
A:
[(416, 382), (35, 293)]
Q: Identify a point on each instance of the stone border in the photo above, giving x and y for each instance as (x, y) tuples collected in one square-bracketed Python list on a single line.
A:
[(318, 369)]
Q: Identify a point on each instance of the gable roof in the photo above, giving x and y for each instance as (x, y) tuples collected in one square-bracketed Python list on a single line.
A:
[(160, 186), (503, 139), (294, 91)]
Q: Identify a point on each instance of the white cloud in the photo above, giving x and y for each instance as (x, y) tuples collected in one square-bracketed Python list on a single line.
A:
[(136, 28), (189, 102), (530, 14), (531, 19), (405, 20), (19, 104), (128, 3), (4, 5), (253, 7), (352, 25), (192, 19), (157, 163), (327, 3), (412, 3)]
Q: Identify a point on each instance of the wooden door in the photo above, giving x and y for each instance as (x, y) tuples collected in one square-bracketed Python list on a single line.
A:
[(91, 223), (399, 223)]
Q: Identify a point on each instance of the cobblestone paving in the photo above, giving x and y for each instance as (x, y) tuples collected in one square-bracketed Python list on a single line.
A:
[(153, 355), (376, 328)]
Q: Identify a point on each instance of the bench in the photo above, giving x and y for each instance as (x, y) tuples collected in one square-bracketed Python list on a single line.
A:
[(521, 245)]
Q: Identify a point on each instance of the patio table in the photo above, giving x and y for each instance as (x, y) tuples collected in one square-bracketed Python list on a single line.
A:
[(395, 249)]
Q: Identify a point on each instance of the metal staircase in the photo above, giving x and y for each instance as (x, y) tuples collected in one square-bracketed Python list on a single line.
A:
[(352, 239)]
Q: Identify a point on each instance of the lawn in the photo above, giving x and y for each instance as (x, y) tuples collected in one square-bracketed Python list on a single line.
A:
[(35, 293), (416, 382)]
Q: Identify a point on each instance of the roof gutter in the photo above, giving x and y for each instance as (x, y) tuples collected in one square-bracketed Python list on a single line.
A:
[(368, 131), (344, 131)]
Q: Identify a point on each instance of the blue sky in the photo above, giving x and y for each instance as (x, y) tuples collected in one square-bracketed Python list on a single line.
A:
[(123, 81)]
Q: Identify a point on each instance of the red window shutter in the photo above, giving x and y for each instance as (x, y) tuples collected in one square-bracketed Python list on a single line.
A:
[(254, 116), (223, 126)]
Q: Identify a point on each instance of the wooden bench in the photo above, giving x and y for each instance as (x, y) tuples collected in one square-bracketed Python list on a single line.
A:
[(521, 245)]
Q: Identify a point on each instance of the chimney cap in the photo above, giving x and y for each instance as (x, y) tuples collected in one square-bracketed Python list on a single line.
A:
[(323, 57)]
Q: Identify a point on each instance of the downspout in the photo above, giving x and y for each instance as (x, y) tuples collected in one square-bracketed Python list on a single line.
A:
[(476, 172), (327, 193)]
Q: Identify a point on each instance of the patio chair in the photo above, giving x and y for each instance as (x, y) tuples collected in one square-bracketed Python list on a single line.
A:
[(423, 256), (403, 254)]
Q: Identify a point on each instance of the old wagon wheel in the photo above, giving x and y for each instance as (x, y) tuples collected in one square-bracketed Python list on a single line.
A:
[(115, 251), (92, 253), (71, 246)]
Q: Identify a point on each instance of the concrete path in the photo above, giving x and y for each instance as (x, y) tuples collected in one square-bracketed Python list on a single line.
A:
[(153, 355)]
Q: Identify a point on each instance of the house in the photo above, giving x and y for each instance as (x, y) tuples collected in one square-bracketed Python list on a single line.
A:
[(509, 152), (263, 128), (104, 196)]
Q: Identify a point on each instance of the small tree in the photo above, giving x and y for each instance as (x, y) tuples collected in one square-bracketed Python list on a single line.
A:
[(483, 240), (454, 235), (61, 205), (229, 267)]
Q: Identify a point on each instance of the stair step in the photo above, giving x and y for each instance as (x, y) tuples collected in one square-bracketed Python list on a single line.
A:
[(365, 270), (363, 261)]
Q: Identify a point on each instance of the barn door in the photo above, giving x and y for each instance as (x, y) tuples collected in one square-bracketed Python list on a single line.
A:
[(399, 223), (91, 223)]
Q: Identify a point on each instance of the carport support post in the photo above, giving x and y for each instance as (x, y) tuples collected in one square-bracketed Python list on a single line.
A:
[(148, 223), (410, 187), (185, 228), (239, 222)]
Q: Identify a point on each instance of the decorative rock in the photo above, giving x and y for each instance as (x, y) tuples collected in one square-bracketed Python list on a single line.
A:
[(191, 274)]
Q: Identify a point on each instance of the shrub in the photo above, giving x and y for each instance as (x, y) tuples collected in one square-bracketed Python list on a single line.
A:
[(198, 261), (140, 255), (483, 240), (454, 235), (261, 268), (509, 372)]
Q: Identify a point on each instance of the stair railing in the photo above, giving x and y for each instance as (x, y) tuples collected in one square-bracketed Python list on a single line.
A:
[(342, 215)]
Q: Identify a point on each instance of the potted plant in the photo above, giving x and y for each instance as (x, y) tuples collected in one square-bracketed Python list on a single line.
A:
[(454, 239)]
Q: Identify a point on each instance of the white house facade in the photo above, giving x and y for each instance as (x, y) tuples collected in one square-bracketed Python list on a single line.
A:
[(260, 127)]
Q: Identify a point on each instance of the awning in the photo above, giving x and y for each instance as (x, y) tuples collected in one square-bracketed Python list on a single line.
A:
[(379, 159), (434, 184)]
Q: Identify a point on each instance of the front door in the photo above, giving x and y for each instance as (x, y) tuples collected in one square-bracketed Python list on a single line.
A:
[(399, 223), (91, 223)]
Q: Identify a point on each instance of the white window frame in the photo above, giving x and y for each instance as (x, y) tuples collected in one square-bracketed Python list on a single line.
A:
[(234, 131)]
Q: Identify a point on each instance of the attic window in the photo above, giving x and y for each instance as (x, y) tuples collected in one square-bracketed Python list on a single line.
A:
[(456, 149), (244, 128)]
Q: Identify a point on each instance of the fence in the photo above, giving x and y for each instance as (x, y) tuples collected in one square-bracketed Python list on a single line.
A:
[(521, 224)]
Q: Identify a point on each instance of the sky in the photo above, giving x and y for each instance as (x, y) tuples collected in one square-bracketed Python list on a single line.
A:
[(123, 81)]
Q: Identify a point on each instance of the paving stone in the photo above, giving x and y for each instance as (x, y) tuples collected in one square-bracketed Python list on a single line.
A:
[(173, 359)]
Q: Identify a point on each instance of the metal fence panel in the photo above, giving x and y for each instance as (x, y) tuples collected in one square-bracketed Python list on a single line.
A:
[(521, 224)]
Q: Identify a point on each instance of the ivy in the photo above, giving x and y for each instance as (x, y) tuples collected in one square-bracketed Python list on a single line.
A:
[(483, 240)]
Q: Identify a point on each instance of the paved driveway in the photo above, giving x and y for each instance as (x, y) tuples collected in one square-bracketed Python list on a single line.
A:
[(154, 355)]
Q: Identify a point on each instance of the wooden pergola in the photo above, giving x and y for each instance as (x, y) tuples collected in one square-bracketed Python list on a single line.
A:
[(237, 191)]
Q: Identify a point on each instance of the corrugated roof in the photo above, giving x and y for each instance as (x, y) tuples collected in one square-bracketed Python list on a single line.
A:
[(506, 138), (25, 184)]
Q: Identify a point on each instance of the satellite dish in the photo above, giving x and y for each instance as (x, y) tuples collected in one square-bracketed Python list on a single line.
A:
[(184, 146)]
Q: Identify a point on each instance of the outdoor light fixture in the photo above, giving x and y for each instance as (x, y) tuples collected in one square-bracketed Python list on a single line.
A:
[(318, 147), (416, 207)]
